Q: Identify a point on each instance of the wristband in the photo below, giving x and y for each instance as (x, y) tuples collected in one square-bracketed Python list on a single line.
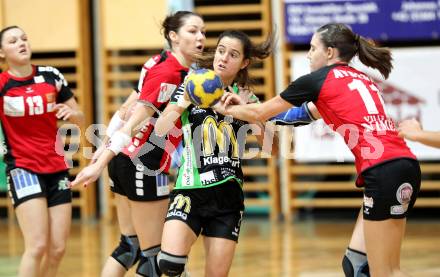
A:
[(115, 124), (118, 142)]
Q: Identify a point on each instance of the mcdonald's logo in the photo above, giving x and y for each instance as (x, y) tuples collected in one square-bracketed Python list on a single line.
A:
[(181, 202), (221, 134)]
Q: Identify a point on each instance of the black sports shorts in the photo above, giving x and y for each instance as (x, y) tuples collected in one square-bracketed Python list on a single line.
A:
[(129, 180), (214, 211), (391, 189), (24, 185)]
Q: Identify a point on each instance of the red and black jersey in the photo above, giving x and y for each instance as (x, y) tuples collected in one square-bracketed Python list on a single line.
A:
[(351, 104), (160, 76), (29, 122)]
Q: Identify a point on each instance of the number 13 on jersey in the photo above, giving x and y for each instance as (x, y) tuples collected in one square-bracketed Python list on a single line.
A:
[(16, 106), (35, 104)]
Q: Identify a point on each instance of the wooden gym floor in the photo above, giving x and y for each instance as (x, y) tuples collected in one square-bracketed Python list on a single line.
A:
[(305, 248)]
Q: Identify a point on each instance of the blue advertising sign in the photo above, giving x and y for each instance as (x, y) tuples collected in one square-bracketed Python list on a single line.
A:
[(383, 20)]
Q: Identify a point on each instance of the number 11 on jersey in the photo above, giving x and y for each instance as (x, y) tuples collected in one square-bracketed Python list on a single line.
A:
[(366, 96)]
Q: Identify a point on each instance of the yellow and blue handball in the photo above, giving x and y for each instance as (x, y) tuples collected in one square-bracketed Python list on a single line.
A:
[(204, 87)]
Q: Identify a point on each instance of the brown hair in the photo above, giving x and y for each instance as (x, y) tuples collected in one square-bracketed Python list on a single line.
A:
[(4, 30), (349, 44), (250, 51), (174, 22)]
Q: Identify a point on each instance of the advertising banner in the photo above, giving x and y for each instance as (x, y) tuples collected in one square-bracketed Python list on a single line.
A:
[(392, 20)]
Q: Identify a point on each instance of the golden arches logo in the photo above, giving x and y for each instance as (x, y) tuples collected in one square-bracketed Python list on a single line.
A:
[(179, 202), (218, 133)]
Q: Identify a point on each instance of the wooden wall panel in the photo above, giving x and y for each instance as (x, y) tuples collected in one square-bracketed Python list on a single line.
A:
[(131, 24), (51, 25), (1, 14)]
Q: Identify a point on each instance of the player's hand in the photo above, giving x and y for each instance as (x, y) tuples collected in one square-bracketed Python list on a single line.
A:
[(219, 107), (87, 175), (232, 99), (63, 111), (410, 129)]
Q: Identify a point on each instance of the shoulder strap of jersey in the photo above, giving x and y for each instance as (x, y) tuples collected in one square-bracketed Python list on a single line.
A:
[(163, 56)]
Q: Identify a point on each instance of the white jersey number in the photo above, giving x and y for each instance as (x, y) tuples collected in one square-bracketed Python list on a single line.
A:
[(35, 104), (365, 94)]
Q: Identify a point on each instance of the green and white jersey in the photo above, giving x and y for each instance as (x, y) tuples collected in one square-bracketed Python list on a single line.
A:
[(212, 147)]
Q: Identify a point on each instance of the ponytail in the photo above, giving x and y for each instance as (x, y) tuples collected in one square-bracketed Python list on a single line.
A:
[(375, 57), (349, 44)]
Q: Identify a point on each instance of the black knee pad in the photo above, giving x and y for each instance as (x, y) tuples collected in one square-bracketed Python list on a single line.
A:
[(171, 265), (355, 264), (148, 266), (127, 252)]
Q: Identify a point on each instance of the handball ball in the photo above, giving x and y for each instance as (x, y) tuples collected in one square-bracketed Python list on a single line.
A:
[(204, 87)]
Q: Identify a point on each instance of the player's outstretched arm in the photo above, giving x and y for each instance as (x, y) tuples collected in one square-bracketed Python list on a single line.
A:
[(118, 141), (116, 122), (257, 112), (295, 116), (412, 130), (168, 118)]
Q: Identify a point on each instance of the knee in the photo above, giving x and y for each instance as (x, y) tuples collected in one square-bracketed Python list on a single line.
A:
[(127, 253), (355, 264), (37, 250), (56, 251), (171, 265), (147, 263)]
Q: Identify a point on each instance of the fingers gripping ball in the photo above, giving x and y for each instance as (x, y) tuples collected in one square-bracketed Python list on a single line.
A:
[(204, 88)]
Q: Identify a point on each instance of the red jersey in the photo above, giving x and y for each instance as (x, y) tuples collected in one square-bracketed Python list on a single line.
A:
[(351, 104), (160, 76), (29, 121)]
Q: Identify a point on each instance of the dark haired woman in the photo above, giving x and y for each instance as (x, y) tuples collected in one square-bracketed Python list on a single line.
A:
[(351, 103), (139, 169), (208, 197), (32, 99)]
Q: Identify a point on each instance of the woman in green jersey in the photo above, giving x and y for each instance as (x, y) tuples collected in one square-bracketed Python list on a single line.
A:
[(208, 196)]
